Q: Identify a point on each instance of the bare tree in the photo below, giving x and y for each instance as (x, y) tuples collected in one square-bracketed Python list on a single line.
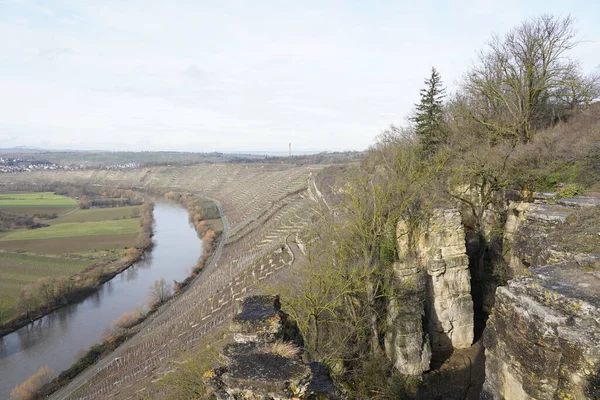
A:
[(160, 291), (522, 79)]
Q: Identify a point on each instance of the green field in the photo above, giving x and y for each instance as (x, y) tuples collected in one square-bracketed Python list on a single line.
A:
[(18, 270), (35, 199), (98, 214), (71, 229), (43, 203), (72, 245), (32, 210), (73, 241)]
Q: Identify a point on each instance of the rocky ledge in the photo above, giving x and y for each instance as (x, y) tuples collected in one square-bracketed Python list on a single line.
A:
[(265, 360), (542, 340)]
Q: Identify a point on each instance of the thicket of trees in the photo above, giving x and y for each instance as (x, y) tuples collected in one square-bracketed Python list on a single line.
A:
[(30, 389), (11, 222)]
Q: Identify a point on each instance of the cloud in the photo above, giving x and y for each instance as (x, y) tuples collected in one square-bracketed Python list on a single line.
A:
[(233, 75)]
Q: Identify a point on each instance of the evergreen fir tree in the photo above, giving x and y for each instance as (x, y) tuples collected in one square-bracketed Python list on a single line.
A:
[(428, 117)]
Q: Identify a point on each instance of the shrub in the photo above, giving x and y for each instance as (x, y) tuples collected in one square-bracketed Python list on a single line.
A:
[(160, 291), (127, 320), (31, 387), (569, 191)]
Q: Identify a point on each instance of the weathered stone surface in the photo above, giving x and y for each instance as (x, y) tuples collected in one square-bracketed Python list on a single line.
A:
[(543, 339), (406, 342), (449, 303), (259, 375), (259, 318), (258, 365), (526, 232), (580, 201), (431, 307)]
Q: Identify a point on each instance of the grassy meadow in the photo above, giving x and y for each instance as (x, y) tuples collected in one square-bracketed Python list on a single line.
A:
[(44, 203), (70, 229), (35, 199), (18, 270), (98, 214), (71, 243)]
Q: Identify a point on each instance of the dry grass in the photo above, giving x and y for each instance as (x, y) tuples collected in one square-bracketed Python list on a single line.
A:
[(580, 233), (281, 348), (567, 153)]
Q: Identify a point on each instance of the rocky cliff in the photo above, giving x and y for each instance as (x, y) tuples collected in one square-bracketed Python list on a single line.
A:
[(432, 309), (542, 340)]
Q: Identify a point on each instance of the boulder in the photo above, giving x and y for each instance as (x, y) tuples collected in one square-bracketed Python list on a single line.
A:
[(264, 362)]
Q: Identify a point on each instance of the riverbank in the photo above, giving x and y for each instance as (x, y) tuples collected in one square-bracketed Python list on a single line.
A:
[(50, 294), (59, 339), (196, 206), (206, 219)]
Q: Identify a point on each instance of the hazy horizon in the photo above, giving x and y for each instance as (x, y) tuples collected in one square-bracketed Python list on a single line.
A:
[(203, 77), (34, 149)]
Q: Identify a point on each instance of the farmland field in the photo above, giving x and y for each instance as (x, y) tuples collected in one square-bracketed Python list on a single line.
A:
[(98, 214), (18, 270), (35, 199), (70, 229), (78, 244), (72, 242), (43, 203)]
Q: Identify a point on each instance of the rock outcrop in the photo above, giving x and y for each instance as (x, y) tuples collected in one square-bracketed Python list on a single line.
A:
[(431, 307), (542, 340), (264, 362), (449, 303), (407, 342)]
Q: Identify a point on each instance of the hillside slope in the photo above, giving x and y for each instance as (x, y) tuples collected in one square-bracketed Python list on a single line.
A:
[(263, 206)]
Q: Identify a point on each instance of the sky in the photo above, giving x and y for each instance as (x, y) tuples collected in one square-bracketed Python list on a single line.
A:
[(253, 75)]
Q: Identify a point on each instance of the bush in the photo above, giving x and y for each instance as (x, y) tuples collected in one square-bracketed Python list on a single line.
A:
[(127, 320), (29, 389), (160, 291), (569, 191)]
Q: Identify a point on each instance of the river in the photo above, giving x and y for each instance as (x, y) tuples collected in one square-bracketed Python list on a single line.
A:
[(57, 339)]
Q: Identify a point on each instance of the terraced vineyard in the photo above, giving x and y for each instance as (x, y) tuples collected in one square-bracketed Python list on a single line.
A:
[(243, 190), (263, 206)]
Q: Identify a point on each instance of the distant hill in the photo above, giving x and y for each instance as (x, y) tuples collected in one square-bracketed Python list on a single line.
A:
[(22, 150)]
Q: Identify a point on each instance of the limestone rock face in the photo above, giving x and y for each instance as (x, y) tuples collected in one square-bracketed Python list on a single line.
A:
[(449, 303), (259, 319), (431, 307), (543, 339), (406, 342)]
